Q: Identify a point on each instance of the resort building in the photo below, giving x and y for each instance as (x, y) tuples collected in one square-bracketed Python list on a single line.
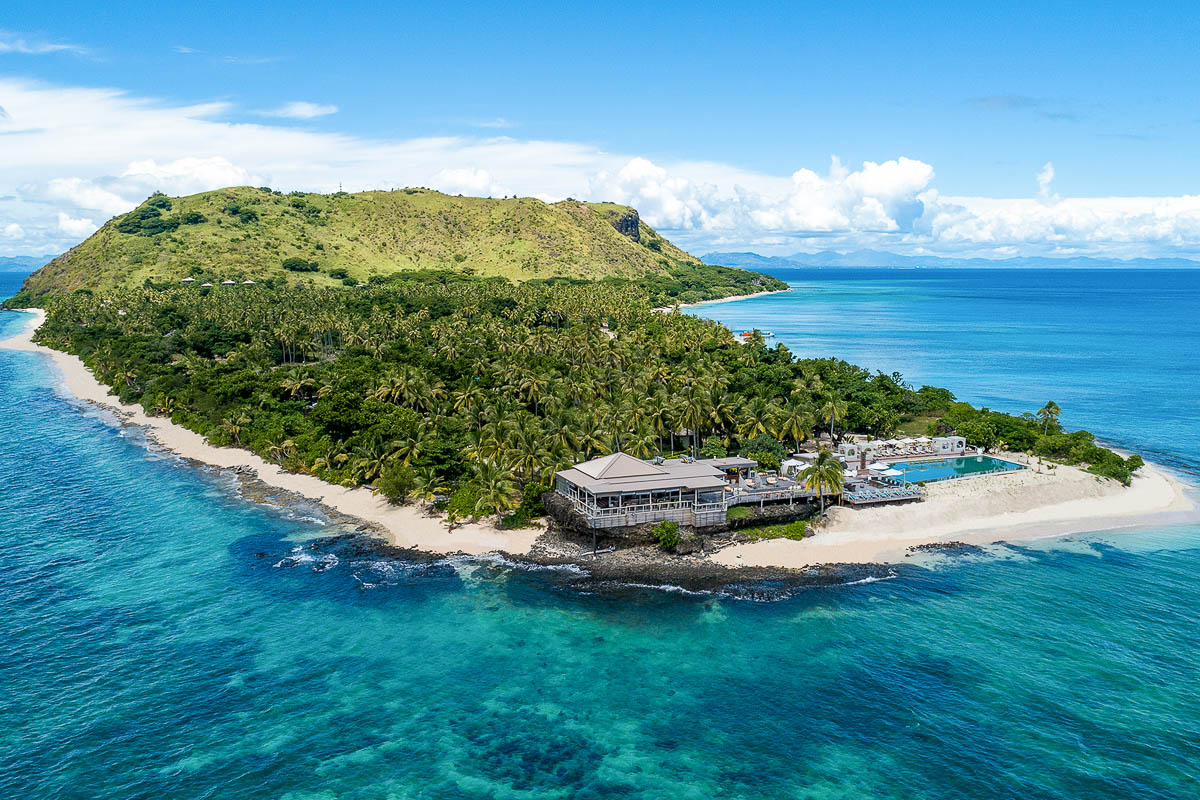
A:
[(950, 445), (619, 489), (912, 447)]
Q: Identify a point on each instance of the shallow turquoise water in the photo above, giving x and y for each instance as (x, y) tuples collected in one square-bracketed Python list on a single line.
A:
[(163, 638), (947, 468)]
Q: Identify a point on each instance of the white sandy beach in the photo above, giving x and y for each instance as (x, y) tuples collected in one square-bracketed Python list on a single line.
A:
[(1031, 504), (668, 309), (406, 526), (1012, 506)]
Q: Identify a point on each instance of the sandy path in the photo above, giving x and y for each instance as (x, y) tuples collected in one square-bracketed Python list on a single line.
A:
[(406, 526)]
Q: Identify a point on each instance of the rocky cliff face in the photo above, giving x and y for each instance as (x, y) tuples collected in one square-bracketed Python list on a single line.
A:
[(627, 225)]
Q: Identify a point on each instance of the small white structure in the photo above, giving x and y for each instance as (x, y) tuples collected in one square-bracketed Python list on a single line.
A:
[(247, 283), (854, 450), (206, 286), (792, 467), (949, 445), (227, 283), (189, 280)]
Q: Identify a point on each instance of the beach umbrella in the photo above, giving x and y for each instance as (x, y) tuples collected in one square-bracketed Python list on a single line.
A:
[(879, 465), (892, 473)]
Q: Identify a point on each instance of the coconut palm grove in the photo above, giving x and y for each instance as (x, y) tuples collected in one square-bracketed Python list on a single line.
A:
[(469, 393)]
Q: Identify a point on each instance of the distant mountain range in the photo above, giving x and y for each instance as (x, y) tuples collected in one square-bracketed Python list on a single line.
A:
[(23, 263), (879, 258)]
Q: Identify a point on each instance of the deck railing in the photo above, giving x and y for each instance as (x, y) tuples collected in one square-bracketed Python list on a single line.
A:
[(593, 512), (742, 496)]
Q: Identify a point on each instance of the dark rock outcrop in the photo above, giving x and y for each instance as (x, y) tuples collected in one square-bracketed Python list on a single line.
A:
[(627, 224)]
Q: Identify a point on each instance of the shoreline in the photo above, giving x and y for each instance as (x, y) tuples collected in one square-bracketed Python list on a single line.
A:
[(1019, 506), (405, 526), (730, 299)]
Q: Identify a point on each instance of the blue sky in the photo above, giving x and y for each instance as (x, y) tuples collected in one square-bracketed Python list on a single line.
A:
[(699, 115)]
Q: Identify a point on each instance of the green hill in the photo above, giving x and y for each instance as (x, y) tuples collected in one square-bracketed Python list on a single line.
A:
[(244, 233)]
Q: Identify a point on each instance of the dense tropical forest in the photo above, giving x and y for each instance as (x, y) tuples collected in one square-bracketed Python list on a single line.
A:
[(432, 386)]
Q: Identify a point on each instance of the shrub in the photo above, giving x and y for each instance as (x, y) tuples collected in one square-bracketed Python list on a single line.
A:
[(764, 444), (765, 460), (739, 512), (795, 530), (531, 500), (297, 264), (463, 502), (667, 534), (349, 282), (396, 482), (339, 272), (713, 448), (194, 218), (147, 220)]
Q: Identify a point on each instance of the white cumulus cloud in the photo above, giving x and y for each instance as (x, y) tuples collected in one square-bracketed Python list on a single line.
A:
[(73, 157), (77, 228), (468, 181)]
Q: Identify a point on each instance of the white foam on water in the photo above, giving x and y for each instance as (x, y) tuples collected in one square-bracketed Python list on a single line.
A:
[(466, 565), (298, 556), (870, 579)]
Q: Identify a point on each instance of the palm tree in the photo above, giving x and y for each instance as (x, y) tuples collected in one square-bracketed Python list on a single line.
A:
[(165, 406), (234, 427), (495, 488), (281, 451), (427, 485), (643, 442), (371, 460), (833, 410), (526, 452), (334, 458), (295, 383), (1048, 414), (409, 449), (757, 418), (825, 473), (795, 420)]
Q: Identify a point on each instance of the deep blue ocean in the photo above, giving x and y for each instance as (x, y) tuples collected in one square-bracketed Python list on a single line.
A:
[(165, 638)]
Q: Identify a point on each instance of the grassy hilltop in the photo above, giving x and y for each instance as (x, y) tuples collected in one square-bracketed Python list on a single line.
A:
[(246, 233)]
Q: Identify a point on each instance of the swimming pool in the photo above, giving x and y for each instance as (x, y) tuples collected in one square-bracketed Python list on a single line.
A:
[(940, 469)]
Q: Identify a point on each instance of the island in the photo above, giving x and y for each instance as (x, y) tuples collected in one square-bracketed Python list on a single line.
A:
[(504, 375)]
